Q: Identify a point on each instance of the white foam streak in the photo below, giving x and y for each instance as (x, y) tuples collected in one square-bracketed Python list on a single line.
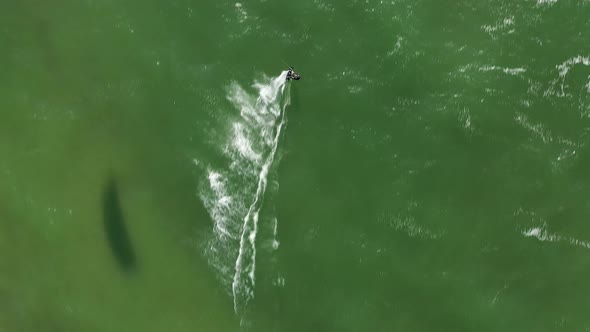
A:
[(235, 194), (489, 68), (243, 292), (541, 234), (244, 145), (505, 24), (509, 71), (275, 242), (216, 183), (546, 2)]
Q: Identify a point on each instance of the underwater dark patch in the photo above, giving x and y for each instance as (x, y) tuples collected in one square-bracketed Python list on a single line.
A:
[(115, 227)]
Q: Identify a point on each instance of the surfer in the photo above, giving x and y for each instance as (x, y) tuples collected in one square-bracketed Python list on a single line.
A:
[(292, 75)]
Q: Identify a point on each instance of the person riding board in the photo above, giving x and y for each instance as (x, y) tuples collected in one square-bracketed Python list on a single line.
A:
[(292, 75)]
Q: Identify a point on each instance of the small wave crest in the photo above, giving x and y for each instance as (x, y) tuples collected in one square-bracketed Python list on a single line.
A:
[(541, 234), (563, 69)]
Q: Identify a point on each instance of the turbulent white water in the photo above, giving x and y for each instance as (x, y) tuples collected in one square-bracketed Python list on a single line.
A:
[(235, 192)]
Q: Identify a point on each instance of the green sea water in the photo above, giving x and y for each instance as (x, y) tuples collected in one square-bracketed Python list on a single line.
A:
[(430, 172)]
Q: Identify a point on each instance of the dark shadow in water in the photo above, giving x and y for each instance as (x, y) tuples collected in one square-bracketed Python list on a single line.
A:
[(115, 228)]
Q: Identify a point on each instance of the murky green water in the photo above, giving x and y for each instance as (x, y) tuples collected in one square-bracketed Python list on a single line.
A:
[(430, 172)]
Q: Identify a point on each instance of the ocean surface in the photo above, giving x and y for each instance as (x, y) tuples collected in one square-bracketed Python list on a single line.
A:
[(429, 172)]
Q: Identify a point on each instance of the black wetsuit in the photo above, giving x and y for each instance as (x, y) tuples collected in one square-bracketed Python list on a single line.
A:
[(291, 75)]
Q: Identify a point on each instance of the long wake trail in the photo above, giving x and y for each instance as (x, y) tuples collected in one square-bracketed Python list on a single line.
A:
[(250, 226), (235, 194)]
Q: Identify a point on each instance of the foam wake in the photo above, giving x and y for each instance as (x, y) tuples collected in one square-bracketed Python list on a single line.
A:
[(235, 192)]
